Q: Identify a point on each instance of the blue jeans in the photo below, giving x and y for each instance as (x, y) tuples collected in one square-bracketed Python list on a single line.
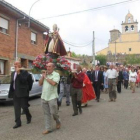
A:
[(64, 88)]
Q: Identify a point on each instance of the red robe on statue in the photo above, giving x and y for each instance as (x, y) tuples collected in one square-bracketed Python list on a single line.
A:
[(58, 45), (88, 91)]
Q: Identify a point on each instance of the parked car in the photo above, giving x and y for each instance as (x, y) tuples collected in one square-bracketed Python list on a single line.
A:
[(5, 84)]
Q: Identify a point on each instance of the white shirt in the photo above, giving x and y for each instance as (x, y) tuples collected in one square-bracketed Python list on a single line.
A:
[(15, 75), (96, 75), (111, 73), (132, 77)]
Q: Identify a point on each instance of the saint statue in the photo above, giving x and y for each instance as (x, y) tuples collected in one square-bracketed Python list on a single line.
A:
[(54, 43)]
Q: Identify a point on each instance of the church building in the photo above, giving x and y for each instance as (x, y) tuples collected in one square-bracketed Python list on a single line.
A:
[(127, 42)]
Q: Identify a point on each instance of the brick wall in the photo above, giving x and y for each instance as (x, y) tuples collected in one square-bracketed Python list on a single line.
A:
[(7, 41), (25, 47), (24, 43)]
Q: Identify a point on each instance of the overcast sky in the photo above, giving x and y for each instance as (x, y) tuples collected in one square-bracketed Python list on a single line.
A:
[(79, 28)]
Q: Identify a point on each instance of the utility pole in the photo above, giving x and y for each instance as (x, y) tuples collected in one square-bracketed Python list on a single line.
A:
[(93, 49), (115, 52)]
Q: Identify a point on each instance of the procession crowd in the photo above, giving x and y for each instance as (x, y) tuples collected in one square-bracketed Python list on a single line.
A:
[(82, 85)]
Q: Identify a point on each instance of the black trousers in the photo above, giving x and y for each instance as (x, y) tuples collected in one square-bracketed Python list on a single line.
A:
[(119, 86), (126, 84), (96, 86), (21, 102)]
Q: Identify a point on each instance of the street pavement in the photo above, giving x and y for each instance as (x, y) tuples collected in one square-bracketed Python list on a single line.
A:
[(105, 120)]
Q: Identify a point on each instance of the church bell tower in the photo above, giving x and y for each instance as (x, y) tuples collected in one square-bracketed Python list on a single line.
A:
[(129, 26)]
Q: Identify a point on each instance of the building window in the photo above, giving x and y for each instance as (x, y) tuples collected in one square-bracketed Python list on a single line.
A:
[(4, 25), (130, 49), (33, 38), (126, 28), (1, 67), (132, 27)]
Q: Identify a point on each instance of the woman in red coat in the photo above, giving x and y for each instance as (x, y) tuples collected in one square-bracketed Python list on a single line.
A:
[(88, 91)]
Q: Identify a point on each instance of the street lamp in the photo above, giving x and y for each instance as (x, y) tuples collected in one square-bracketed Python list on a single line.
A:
[(29, 23)]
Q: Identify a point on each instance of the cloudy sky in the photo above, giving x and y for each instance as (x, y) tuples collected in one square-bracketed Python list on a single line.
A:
[(78, 28)]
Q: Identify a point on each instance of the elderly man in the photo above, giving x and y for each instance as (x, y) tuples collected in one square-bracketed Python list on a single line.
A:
[(112, 81), (88, 91), (76, 91), (21, 84), (50, 80)]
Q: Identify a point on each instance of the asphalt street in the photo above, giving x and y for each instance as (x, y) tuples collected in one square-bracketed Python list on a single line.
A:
[(105, 120)]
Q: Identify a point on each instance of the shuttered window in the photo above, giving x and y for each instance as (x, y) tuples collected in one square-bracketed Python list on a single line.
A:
[(33, 38), (4, 25), (1, 67)]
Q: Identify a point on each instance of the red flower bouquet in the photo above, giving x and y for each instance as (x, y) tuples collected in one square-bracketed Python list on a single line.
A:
[(41, 61), (63, 63)]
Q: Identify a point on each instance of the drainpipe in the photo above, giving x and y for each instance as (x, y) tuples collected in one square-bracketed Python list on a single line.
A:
[(17, 36)]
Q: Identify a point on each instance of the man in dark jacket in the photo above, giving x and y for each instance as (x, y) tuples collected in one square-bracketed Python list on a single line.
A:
[(97, 81), (21, 84), (89, 74), (125, 77), (120, 79)]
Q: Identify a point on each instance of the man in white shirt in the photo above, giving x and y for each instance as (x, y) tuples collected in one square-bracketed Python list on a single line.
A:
[(112, 80)]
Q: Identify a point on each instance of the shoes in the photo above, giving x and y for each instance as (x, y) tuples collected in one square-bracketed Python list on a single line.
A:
[(75, 114), (16, 126), (67, 104), (58, 125), (80, 110), (97, 100), (85, 105), (29, 120), (110, 100), (46, 132), (114, 100)]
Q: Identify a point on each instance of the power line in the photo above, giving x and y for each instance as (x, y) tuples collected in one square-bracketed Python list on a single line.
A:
[(92, 9), (84, 44), (101, 40), (77, 45)]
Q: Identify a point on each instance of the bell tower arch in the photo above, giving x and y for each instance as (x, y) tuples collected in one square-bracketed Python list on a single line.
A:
[(129, 26)]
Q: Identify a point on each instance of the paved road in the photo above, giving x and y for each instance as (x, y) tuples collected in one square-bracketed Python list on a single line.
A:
[(99, 121)]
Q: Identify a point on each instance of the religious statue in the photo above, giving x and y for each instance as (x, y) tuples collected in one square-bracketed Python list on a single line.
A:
[(54, 44)]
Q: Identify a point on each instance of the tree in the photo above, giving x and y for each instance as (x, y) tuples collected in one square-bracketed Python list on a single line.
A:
[(132, 59), (101, 58), (73, 54)]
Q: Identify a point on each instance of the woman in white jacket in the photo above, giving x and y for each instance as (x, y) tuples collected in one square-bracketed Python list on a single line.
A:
[(132, 79)]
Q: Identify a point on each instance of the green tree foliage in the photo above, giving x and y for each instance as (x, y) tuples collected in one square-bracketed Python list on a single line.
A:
[(101, 58), (132, 59), (73, 54)]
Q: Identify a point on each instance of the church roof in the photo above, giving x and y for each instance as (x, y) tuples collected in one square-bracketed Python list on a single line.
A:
[(114, 30), (129, 15)]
